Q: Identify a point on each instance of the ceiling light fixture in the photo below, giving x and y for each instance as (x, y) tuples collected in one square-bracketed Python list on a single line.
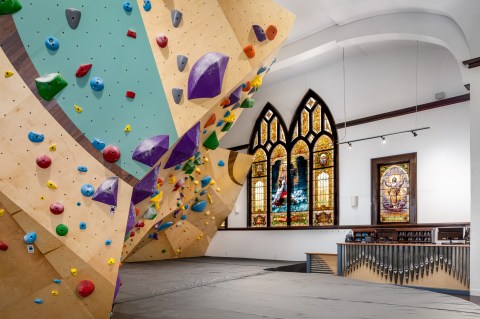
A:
[(383, 137), (384, 140)]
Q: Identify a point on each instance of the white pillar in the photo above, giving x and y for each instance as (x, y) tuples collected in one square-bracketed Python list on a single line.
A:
[(473, 75)]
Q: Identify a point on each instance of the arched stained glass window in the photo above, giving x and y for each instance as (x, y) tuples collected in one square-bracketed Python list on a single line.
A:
[(293, 182)]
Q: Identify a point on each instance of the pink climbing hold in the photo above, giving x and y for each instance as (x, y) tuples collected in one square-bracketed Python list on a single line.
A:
[(162, 40), (111, 153), (44, 161), (56, 208), (85, 288)]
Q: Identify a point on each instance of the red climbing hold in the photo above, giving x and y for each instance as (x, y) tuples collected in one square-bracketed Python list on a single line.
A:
[(3, 246), (210, 121), (85, 288), (137, 211), (247, 87), (225, 102), (249, 51), (44, 161), (130, 94), (83, 70), (111, 153), (56, 208), (132, 34), (132, 234), (140, 224), (271, 32), (162, 40)]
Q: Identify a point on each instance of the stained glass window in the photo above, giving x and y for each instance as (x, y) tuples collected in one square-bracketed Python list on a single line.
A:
[(292, 182), (394, 193)]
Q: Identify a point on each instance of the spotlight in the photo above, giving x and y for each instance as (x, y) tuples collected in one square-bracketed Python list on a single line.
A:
[(349, 145), (384, 140), (414, 134)]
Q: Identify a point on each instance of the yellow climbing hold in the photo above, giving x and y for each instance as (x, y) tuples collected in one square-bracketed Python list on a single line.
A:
[(206, 223), (52, 147), (42, 197), (198, 170), (2, 212), (257, 81), (213, 218), (127, 128), (8, 74), (54, 292), (172, 180), (157, 198), (78, 108), (196, 182), (51, 185), (218, 189), (209, 199), (212, 182), (230, 118), (207, 212), (111, 261), (206, 159), (73, 271)]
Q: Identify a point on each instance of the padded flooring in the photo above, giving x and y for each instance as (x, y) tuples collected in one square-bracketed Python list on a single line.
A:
[(229, 288)]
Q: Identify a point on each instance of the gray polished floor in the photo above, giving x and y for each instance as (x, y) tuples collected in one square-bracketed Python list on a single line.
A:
[(241, 288)]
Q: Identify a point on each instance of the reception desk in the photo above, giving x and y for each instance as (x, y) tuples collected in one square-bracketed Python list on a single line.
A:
[(444, 267)]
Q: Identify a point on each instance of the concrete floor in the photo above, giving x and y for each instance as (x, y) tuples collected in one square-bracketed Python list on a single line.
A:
[(227, 288)]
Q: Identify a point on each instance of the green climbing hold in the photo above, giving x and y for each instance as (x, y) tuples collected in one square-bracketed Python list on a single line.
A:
[(50, 85), (61, 230), (164, 251), (9, 6), (150, 214), (212, 141), (247, 103), (227, 127), (189, 167)]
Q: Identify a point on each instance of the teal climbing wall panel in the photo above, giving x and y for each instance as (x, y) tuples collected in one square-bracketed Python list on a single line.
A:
[(124, 63)]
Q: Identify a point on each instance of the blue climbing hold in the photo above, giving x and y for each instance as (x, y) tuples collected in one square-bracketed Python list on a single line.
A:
[(184, 217), (57, 281), (221, 163), (206, 180), (203, 192), (98, 144), (52, 43), (82, 169), (178, 167), (204, 131), (199, 207), (108, 242), (83, 225), (261, 70), (97, 84), (155, 193), (38, 301), (147, 5), (127, 6), (220, 123), (226, 114), (165, 226), (36, 137), (87, 190), (30, 238)]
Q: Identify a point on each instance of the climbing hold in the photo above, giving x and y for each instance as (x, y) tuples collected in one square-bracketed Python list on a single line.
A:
[(127, 6), (108, 242), (186, 147), (212, 182), (44, 161), (249, 51), (73, 271), (73, 17), (157, 198), (127, 128), (132, 34), (206, 77), (9, 6), (199, 207), (178, 184), (140, 224), (82, 225), (210, 198), (181, 62), (206, 180), (261, 70), (210, 121), (87, 190), (97, 84), (85, 288), (235, 96), (257, 81), (111, 153), (52, 43), (78, 108), (146, 186), (35, 137), (83, 70), (61, 230), (177, 95), (57, 281), (98, 144), (225, 102), (150, 213), (230, 118), (271, 32), (82, 169), (54, 292), (259, 33), (147, 5), (227, 126), (149, 151), (52, 147), (3, 246), (184, 217), (247, 103), (172, 180), (8, 74), (38, 301), (30, 238), (165, 226), (246, 87), (107, 191), (176, 18), (212, 141), (51, 185), (56, 208), (50, 85), (111, 261), (2, 212), (162, 40), (220, 123), (164, 251), (130, 94)]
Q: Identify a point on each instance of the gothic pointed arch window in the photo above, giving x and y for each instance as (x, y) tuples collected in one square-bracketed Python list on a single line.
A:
[(293, 182)]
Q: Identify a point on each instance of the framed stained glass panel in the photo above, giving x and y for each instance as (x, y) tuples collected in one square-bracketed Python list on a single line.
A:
[(299, 175), (279, 182), (394, 189), (273, 130), (259, 189)]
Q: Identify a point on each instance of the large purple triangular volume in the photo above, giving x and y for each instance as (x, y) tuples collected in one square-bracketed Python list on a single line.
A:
[(235, 96), (146, 186), (206, 77), (186, 147), (131, 219), (107, 191), (151, 150), (118, 284)]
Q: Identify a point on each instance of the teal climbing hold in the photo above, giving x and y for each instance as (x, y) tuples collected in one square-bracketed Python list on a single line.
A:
[(150, 213), (206, 180), (9, 6), (165, 226), (212, 141), (221, 163), (30, 238), (50, 85), (38, 301), (199, 207)]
